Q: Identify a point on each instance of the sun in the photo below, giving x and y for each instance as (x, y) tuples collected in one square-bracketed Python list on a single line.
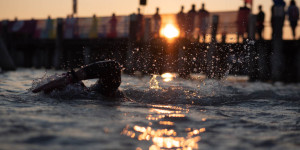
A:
[(170, 31)]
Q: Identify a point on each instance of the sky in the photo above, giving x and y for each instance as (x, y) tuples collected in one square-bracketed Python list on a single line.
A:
[(40, 9)]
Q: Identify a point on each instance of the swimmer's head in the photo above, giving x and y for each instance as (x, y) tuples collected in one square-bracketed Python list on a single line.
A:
[(108, 85)]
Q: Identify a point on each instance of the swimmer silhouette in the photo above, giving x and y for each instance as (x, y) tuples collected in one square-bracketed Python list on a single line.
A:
[(107, 72)]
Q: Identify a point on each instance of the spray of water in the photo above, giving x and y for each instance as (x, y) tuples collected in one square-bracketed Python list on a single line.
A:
[(154, 83)]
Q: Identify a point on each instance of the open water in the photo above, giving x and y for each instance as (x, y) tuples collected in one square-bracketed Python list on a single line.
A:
[(156, 113)]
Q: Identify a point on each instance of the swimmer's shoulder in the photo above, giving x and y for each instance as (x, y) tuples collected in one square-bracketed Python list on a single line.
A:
[(115, 94)]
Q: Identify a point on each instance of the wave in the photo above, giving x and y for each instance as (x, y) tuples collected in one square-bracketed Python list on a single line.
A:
[(181, 91)]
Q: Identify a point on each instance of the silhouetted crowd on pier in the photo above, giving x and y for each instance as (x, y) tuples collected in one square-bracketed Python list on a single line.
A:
[(194, 25)]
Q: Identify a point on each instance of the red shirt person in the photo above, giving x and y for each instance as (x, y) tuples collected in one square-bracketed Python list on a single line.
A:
[(113, 27)]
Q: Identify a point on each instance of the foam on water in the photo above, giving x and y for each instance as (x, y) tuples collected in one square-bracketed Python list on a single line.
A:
[(206, 91), (154, 90)]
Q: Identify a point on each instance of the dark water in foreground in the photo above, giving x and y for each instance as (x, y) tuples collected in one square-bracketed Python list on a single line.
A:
[(179, 114)]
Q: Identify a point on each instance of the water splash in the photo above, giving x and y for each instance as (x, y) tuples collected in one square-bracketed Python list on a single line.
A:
[(71, 91), (43, 80), (154, 83)]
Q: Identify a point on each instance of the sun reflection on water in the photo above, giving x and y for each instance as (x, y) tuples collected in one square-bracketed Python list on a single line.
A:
[(164, 138), (170, 123), (160, 129), (167, 77)]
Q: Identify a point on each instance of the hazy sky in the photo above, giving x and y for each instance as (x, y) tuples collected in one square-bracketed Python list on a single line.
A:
[(40, 9)]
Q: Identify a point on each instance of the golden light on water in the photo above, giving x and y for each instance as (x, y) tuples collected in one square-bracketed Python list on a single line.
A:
[(170, 31), (151, 117), (168, 107), (163, 111), (165, 137), (168, 123), (154, 83), (196, 132)]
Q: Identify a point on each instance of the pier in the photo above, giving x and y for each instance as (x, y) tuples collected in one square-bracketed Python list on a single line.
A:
[(153, 55)]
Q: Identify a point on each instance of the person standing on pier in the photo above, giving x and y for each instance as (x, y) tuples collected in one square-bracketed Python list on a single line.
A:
[(191, 21), (94, 28), (293, 13), (277, 18), (70, 27), (203, 21), (157, 23), (113, 26), (140, 25), (277, 57), (48, 32), (242, 21), (260, 18), (181, 21)]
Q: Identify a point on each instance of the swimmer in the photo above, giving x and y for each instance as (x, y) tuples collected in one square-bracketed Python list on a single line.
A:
[(107, 72)]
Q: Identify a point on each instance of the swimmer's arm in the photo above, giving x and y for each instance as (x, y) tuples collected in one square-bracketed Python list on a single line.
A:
[(81, 74), (97, 70), (63, 81), (92, 71), (50, 86)]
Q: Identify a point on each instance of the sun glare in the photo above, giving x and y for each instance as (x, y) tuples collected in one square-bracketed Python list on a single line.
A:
[(170, 31)]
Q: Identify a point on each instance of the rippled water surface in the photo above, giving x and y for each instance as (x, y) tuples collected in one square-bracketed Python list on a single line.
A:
[(156, 113)]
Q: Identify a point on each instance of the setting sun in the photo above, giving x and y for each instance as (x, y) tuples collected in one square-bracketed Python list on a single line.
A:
[(170, 31)]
